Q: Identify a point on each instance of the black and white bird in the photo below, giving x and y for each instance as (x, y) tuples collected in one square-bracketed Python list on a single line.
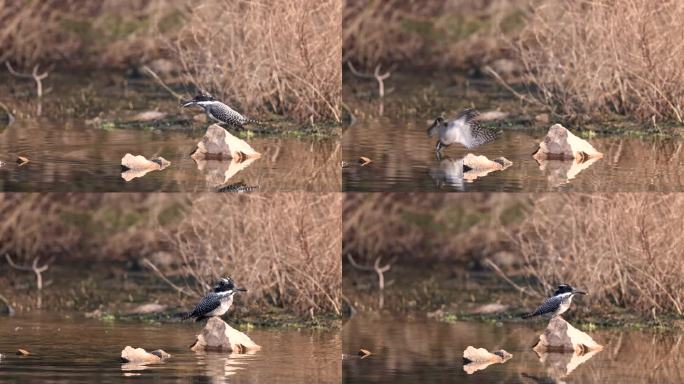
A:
[(217, 302), (219, 111), (558, 303), (464, 129)]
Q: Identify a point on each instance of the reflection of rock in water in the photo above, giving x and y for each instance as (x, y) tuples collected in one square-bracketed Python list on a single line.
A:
[(560, 172), (560, 365), (454, 173), (217, 172), (219, 366)]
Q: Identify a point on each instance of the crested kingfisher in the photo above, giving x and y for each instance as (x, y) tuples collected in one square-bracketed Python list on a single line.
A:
[(464, 129), (558, 303), (217, 302), (219, 111)]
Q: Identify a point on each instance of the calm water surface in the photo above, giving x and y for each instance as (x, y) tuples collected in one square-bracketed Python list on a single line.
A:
[(87, 351), (404, 160), (415, 351)]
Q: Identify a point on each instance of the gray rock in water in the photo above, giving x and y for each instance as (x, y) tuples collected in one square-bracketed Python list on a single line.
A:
[(560, 336), (219, 144), (219, 336), (561, 144)]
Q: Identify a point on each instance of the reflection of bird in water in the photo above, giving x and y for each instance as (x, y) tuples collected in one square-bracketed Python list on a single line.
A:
[(217, 302), (541, 380), (239, 187), (219, 111), (556, 304), (464, 129), (450, 173)]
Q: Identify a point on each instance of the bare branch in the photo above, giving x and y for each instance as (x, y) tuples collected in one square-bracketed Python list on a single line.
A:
[(167, 281), (159, 80)]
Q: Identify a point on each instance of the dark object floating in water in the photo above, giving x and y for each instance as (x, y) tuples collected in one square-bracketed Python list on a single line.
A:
[(21, 160)]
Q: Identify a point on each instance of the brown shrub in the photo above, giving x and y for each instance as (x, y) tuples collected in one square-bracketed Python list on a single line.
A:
[(427, 226), (444, 33), (284, 247), (625, 249), (110, 33), (591, 57), (281, 55)]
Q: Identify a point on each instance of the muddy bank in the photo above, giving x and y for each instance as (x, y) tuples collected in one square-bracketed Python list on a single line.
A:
[(113, 293), (452, 292)]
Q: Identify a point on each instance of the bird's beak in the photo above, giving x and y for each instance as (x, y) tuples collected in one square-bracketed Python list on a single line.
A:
[(188, 103), (241, 289), (579, 292)]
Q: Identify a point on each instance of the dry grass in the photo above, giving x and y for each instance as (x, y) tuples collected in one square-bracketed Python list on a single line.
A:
[(285, 248), (625, 249), (446, 33), (591, 57), (280, 55), (110, 33), (427, 226)]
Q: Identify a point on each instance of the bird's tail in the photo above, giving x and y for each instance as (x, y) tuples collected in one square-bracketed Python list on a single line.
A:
[(528, 315), (185, 315), (255, 122)]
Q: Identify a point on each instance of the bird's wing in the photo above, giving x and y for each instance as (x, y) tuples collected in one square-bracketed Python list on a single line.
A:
[(468, 115), (549, 305), (206, 305), (481, 135)]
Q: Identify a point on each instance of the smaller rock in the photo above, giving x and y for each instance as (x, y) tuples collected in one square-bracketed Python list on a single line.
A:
[(219, 336), (141, 356), (23, 352), (364, 353), (561, 144), (560, 336), (482, 163), (219, 144), (476, 359), (138, 166)]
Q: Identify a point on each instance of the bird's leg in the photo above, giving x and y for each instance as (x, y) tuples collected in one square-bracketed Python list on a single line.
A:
[(438, 149)]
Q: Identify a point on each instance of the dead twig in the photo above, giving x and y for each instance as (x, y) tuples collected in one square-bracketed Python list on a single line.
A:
[(379, 77), (36, 269), (508, 280), (161, 276), (9, 113), (10, 309), (37, 77), (159, 80), (377, 268)]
